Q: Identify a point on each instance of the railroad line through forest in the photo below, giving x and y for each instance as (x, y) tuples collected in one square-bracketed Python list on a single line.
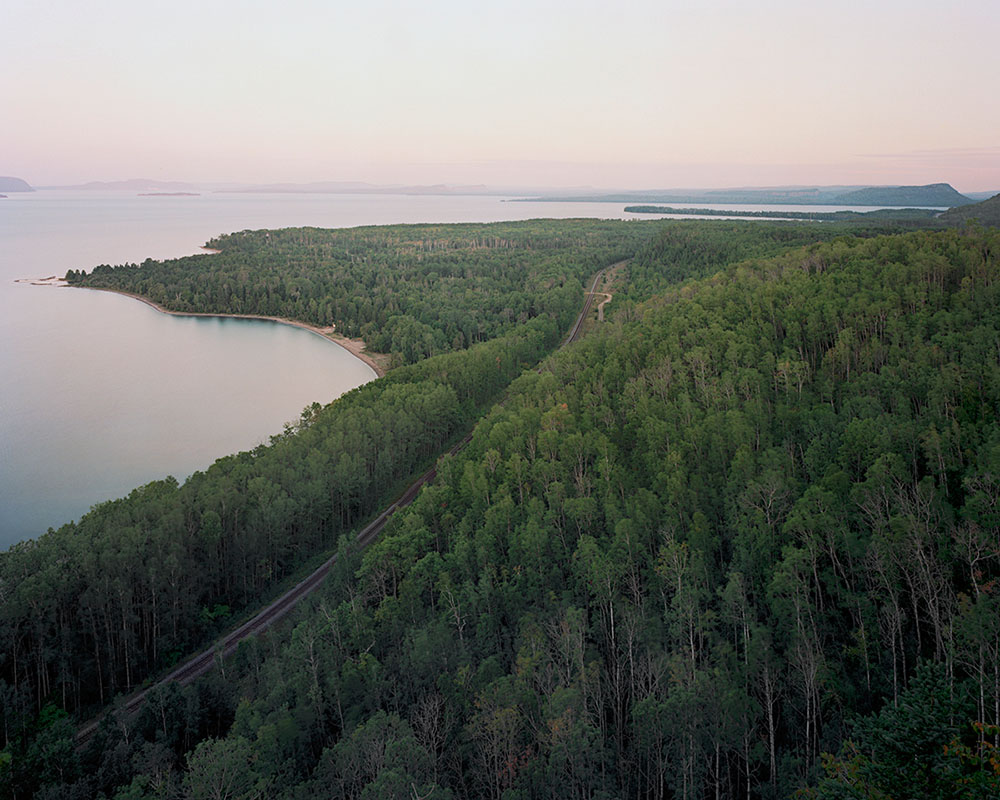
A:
[(198, 665), (588, 301)]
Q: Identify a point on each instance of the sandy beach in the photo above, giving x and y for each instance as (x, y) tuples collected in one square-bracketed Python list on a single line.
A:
[(52, 280)]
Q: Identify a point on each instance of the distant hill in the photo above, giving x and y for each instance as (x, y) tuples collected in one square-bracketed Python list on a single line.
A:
[(9, 184), (933, 194), (776, 195), (901, 215), (986, 212), (133, 185), (941, 195)]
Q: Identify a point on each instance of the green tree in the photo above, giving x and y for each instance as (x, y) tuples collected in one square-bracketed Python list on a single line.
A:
[(910, 749), (224, 769)]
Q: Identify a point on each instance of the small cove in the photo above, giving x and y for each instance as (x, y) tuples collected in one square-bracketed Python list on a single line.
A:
[(132, 394)]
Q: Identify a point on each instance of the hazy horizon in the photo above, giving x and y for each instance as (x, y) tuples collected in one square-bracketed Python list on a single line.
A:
[(547, 94), (117, 184)]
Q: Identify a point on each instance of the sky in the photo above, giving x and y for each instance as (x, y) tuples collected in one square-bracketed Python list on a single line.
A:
[(638, 95)]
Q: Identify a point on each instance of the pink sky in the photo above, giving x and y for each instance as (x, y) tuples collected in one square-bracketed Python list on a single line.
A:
[(640, 95)]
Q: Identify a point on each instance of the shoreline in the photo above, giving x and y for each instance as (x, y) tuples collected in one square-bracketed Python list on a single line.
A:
[(356, 347)]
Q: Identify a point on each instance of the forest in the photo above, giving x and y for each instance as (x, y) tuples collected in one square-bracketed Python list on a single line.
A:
[(413, 291), (742, 540)]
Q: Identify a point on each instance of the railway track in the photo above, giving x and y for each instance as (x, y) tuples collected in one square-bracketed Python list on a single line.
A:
[(588, 301), (198, 665)]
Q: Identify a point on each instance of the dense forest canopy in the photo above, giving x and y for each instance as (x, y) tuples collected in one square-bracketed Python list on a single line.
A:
[(155, 573), (410, 290), (751, 520)]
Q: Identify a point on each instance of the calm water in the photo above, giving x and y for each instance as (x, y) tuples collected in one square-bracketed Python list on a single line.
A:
[(100, 393)]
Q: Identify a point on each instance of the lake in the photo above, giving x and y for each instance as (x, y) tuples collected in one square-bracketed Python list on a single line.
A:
[(101, 393)]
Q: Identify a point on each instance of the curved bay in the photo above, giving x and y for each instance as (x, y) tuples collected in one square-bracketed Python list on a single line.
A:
[(120, 394)]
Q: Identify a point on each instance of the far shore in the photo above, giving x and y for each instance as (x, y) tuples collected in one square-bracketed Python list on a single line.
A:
[(356, 347)]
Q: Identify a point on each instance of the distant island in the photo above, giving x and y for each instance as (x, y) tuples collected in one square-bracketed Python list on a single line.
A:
[(985, 213), (169, 194), (10, 184), (940, 195), (879, 215), (133, 184)]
